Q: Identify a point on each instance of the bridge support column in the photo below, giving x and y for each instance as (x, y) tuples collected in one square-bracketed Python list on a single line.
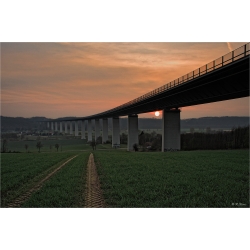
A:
[(52, 126), (104, 130), (56, 126), (47, 124), (61, 129), (115, 132), (97, 128), (89, 131), (76, 128), (83, 129), (132, 131), (171, 136), (71, 127), (66, 127)]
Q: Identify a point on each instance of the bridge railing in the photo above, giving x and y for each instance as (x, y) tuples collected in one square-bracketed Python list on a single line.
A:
[(217, 63)]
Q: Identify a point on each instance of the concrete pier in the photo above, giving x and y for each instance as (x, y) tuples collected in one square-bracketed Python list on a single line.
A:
[(76, 128), (83, 129), (104, 130), (61, 127), (56, 126), (47, 124), (97, 128), (171, 136), (115, 132), (71, 127), (66, 127), (52, 126), (132, 131), (89, 130)]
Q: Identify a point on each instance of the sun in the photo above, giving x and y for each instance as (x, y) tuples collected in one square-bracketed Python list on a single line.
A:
[(157, 113)]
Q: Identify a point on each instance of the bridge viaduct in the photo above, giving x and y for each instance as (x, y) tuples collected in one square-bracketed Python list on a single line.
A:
[(222, 79)]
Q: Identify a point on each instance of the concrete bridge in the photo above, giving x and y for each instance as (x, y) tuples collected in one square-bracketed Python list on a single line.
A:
[(222, 79)]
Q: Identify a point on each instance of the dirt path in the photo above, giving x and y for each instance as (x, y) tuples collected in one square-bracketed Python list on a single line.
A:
[(94, 197), (21, 199)]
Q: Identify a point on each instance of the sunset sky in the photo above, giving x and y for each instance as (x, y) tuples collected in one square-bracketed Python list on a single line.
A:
[(80, 79)]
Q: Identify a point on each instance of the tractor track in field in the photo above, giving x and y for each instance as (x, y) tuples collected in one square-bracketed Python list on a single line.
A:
[(94, 197), (25, 196)]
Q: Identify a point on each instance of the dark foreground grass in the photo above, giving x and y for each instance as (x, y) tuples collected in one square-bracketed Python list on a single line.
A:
[(65, 189), (179, 179), (20, 171)]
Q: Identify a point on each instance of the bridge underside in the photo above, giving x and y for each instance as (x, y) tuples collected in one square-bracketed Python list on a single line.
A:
[(228, 82)]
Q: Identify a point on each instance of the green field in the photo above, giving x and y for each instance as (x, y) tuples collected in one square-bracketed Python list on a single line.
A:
[(129, 179), (64, 189), (20, 171), (179, 179), (49, 145)]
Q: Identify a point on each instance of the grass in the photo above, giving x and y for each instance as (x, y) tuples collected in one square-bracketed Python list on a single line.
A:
[(65, 189), (19, 171), (49, 145), (180, 179)]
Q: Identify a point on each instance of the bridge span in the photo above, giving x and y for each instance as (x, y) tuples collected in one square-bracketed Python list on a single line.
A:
[(222, 79)]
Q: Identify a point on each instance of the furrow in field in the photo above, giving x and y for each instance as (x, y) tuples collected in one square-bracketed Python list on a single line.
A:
[(94, 197), (21, 199)]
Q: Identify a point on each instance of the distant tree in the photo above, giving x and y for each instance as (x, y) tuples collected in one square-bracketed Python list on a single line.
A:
[(142, 138), (208, 130), (26, 147), (191, 130), (156, 143), (93, 145), (135, 147), (39, 145), (57, 146), (22, 136), (99, 140), (124, 138), (5, 144)]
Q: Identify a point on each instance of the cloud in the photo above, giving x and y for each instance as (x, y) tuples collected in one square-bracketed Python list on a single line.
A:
[(229, 47)]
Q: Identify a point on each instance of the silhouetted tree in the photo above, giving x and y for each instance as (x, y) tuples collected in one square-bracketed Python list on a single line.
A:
[(39, 145), (135, 147), (236, 138), (142, 138), (57, 146), (124, 138), (5, 144), (99, 140), (26, 147), (156, 142), (93, 145)]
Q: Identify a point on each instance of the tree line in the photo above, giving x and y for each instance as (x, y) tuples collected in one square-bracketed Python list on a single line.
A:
[(237, 138)]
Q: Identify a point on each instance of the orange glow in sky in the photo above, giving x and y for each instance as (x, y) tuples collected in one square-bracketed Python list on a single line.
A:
[(80, 79)]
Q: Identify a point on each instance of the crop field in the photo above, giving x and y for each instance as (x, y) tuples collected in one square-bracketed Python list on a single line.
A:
[(177, 179), (49, 145), (64, 189), (20, 171)]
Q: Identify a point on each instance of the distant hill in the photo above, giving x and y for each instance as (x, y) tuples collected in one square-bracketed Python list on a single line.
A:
[(225, 122)]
